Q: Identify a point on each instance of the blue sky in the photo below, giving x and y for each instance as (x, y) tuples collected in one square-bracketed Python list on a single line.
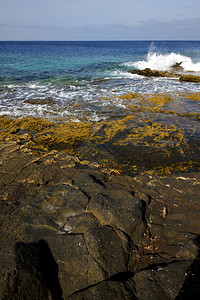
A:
[(99, 20)]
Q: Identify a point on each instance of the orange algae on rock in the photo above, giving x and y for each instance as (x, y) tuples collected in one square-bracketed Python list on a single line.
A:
[(139, 140), (52, 136), (104, 131), (152, 134), (64, 136), (160, 100), (43, 134), (130, 130), (29, 124), (195, 96), (130, 96), (177, 167)]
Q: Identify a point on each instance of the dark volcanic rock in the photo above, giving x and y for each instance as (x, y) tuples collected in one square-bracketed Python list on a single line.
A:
[(36, 274), (116, 288), (177, 66), (39, 101), (189, 78), (120, 210), (71, 231), (153, 73)]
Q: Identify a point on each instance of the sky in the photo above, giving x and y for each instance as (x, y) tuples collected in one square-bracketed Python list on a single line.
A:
[(99, 20)]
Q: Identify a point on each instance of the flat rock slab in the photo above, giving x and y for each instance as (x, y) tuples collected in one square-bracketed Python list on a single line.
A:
[(158, 133), (72, 231)]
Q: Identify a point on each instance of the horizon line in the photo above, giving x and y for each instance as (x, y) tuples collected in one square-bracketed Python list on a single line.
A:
[(120, 40)]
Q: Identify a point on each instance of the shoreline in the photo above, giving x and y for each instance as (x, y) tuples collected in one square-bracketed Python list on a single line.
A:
[(155, 135)]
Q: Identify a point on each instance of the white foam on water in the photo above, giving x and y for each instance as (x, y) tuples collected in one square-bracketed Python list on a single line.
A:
[(94, 101), (163, 62), (122, 74)]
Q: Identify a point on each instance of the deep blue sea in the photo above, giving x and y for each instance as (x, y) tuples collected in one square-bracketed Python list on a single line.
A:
[(82, 79)]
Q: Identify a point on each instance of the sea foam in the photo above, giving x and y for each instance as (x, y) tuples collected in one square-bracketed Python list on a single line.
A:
[(163, 62)]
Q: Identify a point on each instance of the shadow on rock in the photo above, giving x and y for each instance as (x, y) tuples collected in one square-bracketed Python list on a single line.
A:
[(36, 274), (191, 286)]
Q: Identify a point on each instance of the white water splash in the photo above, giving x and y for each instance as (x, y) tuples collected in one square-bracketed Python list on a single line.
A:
[(163, 62), (120, 74)]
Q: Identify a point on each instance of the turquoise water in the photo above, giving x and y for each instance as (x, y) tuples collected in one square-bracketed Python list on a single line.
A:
[(75, 78)]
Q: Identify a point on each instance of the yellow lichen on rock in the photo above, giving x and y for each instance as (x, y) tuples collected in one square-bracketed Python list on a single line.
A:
[(130, 96), (160, 100), (26, 124), (139, 137), (167, 170), (104, 131), (153, 135), (44, 135), (63, 136), (195, 96), (131, 130)]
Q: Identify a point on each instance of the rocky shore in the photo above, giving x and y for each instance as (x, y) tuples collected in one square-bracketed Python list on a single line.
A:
[(102, 210), (155, 73)]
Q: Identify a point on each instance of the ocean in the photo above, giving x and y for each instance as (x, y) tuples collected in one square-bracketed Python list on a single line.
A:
[(82, 80)]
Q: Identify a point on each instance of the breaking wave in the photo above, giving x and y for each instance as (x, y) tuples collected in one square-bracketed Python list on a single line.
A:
[(163, 62)]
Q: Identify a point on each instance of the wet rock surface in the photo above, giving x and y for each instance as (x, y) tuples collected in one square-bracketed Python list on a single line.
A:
[(152, 137), (71, 229), (154, 73), (39, 101), (102, 210), (189, 78), (177, 67)]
